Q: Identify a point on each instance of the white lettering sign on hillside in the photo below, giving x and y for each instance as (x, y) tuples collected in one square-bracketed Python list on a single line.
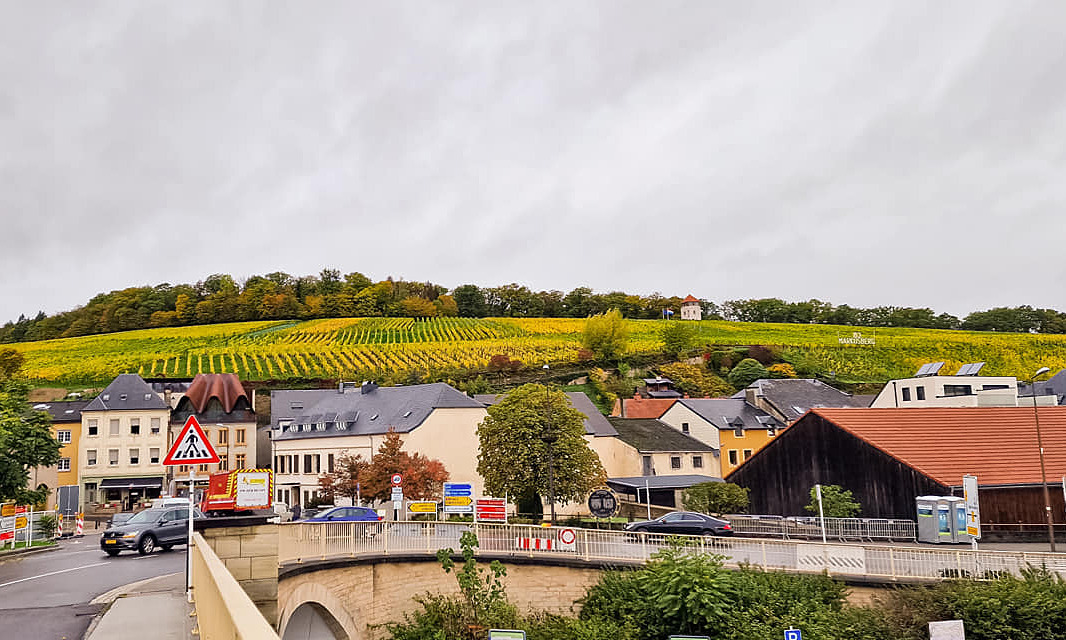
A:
[(856, 338)]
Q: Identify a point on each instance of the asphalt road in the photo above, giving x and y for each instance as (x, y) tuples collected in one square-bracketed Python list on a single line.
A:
[(46, 595)]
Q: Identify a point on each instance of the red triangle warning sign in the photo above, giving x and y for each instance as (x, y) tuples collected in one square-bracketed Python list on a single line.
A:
[(192, 446)]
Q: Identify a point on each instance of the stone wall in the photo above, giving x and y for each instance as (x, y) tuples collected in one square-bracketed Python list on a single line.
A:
[(362, 595), (250, 553)]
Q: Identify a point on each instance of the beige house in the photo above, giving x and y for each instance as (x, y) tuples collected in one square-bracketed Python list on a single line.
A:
[(313, 428), (66, 429), (225, 411), (122, 445), (653, 448), (690, 309)]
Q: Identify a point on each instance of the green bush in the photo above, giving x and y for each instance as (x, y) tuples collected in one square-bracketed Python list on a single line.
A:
[(747, 371), (837, 502), (715, 497)]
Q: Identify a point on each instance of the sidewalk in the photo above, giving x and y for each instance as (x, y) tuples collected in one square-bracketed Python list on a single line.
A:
[(153, 608)]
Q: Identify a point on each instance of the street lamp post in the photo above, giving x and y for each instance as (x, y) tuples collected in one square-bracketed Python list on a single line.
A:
[(549, 439), (1043, 469)]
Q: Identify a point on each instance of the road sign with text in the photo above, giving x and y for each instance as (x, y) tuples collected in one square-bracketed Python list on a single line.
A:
[(458, 497), (192, 446)]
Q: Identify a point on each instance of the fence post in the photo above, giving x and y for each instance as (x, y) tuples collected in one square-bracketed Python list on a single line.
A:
[(763, 545), (385, 538), (321, 540), (643, 546), (585, 537), (958, 564), (892, 562)]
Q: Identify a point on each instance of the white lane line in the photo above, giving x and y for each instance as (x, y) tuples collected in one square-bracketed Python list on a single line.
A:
[(45, 575)]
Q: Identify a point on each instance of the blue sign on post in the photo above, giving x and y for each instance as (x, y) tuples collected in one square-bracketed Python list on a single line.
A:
[(793, 634), (458, 497)]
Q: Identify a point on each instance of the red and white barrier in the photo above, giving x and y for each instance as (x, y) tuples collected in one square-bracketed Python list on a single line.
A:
[(79, 529), (535, 544)]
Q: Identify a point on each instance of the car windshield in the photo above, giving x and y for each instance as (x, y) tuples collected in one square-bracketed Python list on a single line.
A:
[(146, 516)]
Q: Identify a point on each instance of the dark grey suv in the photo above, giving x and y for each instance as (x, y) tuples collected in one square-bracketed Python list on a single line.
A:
[(163, 527)]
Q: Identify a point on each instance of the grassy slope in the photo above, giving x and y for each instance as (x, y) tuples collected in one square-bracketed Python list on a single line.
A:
[(348, 346)]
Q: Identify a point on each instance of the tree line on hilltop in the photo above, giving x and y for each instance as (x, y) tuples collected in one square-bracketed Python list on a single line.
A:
[(280, 296)]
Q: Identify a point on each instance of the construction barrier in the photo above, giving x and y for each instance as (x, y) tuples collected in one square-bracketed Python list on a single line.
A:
[(79, 529)]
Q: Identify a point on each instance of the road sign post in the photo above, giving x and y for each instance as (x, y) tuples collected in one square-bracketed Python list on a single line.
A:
[(191, 447), (973, 509)]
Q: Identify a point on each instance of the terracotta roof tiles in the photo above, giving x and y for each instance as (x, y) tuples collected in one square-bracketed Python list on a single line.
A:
[(224, 386), (997, 444)]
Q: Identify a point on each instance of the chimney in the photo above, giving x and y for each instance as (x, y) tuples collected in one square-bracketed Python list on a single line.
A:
[(749, 395), (368, 387), (340, 387)]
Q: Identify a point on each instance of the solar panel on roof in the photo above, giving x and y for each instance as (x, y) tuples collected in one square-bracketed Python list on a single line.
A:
[(975, 367), (935, 368), (923, 371)]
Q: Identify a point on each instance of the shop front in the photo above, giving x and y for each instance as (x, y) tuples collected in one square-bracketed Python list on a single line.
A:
[(124, 494)]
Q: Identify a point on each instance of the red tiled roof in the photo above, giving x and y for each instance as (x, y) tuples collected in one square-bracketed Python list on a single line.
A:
[(224, 386), (997, 444), (646, 407), (689, 298)]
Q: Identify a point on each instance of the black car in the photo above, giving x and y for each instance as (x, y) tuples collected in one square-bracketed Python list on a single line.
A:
[(683, 523), (163, 527)]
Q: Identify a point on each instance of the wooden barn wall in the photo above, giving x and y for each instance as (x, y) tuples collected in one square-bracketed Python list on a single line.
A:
[(814, 451), (1019, 505)]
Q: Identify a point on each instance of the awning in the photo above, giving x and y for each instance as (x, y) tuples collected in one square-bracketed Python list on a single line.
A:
[(658, 482), (131, 483)]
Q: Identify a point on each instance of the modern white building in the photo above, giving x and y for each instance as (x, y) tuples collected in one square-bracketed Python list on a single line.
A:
[(963, 389)]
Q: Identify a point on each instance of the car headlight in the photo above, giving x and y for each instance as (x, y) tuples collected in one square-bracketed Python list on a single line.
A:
[(131, 535)]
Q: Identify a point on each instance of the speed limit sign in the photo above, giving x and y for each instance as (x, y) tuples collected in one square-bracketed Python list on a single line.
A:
[(397, 479)]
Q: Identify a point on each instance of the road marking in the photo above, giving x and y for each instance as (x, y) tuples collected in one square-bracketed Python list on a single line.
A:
[(45, 575)]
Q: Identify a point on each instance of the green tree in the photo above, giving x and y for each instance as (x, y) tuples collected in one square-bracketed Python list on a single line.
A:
[(519, 433), (747, 371), (349, 474), (10, 362), (837, 502), (25, 441), (693, 380), (677, 336), (606, 335), (715, 497), (470, 301)]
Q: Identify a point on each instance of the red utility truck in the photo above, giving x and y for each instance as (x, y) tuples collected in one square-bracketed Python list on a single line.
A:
[(242, 491)]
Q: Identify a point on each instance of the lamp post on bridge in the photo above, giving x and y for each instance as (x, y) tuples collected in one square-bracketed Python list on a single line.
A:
[(1043, 469), (549, 438)]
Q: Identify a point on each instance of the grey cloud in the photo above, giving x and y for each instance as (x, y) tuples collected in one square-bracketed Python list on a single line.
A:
[(854, 153)]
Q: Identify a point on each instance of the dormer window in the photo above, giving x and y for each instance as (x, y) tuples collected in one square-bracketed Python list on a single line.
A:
[(122, 397), (147, 396), (296, 405), (407, 414), (306, 427), (374, 417), (106, 397), (321, 426), (341, 426)]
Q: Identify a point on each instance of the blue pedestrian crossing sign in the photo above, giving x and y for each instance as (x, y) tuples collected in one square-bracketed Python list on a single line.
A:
[(793, 634)]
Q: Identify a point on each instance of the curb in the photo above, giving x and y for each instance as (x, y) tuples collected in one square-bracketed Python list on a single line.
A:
[(27, 552), (114, 594)]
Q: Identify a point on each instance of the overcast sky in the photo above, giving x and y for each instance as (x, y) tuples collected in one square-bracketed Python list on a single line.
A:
[(893, 153)]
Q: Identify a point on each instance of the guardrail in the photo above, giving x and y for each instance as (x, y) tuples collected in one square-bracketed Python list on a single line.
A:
[(223, 609), (809, 528), (305, 542)]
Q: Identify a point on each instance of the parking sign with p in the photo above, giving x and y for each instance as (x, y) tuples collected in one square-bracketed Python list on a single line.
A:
[(793, 634)]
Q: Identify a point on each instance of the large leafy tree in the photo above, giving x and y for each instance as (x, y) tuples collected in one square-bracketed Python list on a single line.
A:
[(715, 497), (25, 438), (606, 335), (837, 502), (423, 478), (515, 441)]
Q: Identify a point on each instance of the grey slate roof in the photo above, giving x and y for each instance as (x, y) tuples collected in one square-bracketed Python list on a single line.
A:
[(399, 408), (660, 482), (595, 422), (1053, 386), (794, 397), (730, 413), (127, 392), (63, 411), (648, 435)]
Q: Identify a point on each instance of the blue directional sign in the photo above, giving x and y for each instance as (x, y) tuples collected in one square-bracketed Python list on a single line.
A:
[(458, 489), (793, 634), (458, 497)]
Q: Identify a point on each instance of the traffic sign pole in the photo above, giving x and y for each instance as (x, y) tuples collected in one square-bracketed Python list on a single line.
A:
[(188, 547)]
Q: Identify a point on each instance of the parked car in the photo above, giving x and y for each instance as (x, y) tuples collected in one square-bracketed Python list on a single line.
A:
[(683, 523), (148, 529), (346, 514), (119, 518)]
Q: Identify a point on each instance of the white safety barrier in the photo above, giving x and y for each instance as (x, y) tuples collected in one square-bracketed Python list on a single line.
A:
[(306, 542)]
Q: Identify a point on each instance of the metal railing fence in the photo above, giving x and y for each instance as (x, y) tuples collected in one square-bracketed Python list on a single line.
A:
[(306, 542), (810, 528)]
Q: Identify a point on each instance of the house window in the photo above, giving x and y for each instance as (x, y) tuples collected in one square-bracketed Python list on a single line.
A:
[(329, 463), (739, 432), (307, 463), (114, 427), (277, 464), (153, 455), (135, 426), (135, 456), (155, 426), (920, 392), (684, 427), (906, 394), (202, 468), (112, 457), (697, 462), (93, 428), (223, 436), (771, 432), (240, 436), (64, 464), (747, 453), (952, 390), (183, 468), (675, 462), (223, 463), (733, 456), (240, 460), (63, 437), (318, 464), (90, 457)]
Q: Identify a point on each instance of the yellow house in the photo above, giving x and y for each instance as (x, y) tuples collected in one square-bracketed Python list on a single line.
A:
[(730, 426), (66, 428)]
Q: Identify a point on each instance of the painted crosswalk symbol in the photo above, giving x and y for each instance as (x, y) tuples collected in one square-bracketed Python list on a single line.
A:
[(192, 446)]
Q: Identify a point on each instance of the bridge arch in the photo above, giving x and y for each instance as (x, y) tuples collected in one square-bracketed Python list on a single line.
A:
[(313, 612)]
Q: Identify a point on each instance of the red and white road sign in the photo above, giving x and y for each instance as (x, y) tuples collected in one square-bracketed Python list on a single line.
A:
[(490, 510), (397, 479), (567, 540), (192, 446)]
